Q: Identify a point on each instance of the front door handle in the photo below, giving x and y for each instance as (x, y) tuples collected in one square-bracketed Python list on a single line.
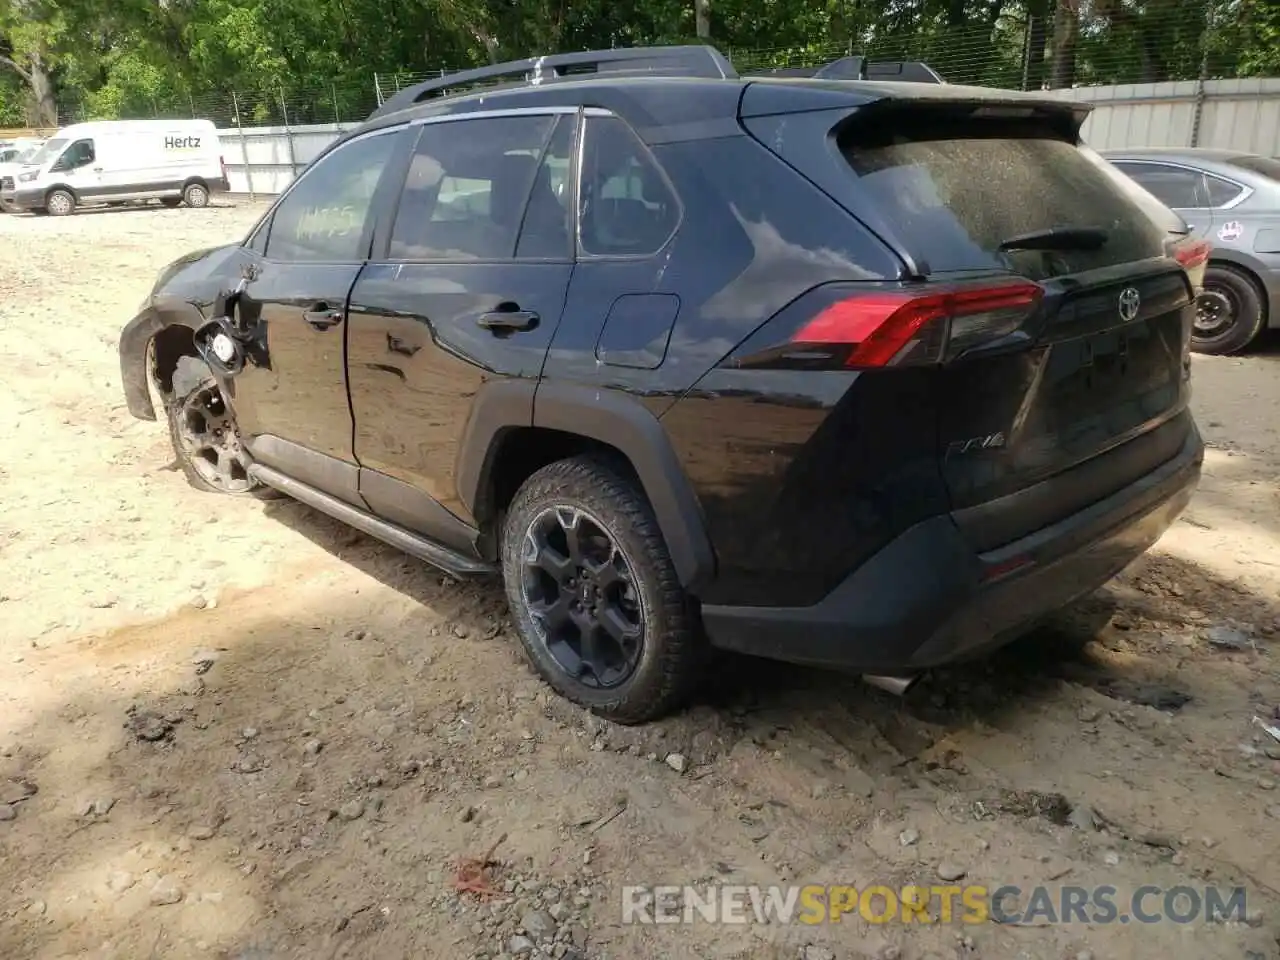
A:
[(322, 317), (506, 321)]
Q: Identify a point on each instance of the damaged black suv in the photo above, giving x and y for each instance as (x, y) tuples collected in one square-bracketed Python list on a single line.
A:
[(856, 372)]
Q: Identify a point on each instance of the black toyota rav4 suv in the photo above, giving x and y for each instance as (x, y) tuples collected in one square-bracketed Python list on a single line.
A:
[(860, 373)]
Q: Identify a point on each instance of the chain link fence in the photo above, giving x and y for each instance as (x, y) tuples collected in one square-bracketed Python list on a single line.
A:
[(1028, 45), (1161, 72)]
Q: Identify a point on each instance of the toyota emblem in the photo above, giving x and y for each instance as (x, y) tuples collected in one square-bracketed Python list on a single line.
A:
[(1130, 302)]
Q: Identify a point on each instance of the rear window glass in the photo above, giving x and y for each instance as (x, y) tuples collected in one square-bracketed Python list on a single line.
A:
[(956, 190), (1267, 166)]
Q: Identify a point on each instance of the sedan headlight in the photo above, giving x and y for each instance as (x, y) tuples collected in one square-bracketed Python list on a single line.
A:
[(28, 177)]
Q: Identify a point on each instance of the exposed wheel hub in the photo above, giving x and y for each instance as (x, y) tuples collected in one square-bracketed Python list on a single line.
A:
[(580, 590), (1216, 312)]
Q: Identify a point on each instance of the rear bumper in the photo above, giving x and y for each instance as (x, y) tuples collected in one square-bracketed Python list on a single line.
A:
[(928, 598)]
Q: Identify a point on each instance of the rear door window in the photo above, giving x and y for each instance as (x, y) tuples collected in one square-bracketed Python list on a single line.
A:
[(1267, 166), (956, 189), (1222, 192), (626, 207), (1176, 187)]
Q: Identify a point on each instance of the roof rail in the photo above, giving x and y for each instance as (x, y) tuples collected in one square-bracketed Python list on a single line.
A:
[(860, 68), (689, 60)]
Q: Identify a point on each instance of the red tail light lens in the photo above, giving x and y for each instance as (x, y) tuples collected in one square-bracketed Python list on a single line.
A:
[(1191, 253), (891, 328)]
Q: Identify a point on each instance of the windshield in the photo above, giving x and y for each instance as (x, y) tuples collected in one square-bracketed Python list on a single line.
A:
[(46, 153), (1266, 166)]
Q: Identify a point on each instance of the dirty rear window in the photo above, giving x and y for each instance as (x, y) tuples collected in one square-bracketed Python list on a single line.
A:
[(955, 190), (1266, 166)]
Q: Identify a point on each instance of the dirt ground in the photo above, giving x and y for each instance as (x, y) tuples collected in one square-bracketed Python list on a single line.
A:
[(241, 730)]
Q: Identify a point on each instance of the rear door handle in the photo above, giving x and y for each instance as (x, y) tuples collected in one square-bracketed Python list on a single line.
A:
[(322, 317), (504, 321)]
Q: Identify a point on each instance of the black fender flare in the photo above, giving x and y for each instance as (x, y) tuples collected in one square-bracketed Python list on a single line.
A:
[(606, 416), (135, 338)]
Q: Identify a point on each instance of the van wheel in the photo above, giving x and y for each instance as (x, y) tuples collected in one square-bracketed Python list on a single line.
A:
[(196, 195), (60, 203)]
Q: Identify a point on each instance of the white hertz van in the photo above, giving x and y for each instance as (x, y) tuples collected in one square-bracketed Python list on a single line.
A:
[(114, 161)]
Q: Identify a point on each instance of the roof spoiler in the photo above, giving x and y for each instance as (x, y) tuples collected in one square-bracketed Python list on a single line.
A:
[(860, 68), (689, 60)]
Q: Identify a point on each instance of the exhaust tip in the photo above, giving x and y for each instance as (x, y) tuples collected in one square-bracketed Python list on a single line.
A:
[(898, 686)]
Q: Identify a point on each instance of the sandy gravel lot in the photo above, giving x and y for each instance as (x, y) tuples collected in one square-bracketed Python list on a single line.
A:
[(240, 730)]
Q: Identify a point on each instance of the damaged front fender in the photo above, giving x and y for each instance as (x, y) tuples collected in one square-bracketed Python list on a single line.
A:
[(134, 376), (180, 319)]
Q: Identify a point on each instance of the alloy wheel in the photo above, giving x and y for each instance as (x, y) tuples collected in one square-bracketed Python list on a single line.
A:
[(212, 441), (580, 591), (59, 204)]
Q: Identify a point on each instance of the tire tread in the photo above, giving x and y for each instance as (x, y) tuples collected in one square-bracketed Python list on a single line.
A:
[(603, 485)]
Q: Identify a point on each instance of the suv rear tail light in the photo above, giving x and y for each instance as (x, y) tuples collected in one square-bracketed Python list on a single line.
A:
[(856, 329), (1193, 256)]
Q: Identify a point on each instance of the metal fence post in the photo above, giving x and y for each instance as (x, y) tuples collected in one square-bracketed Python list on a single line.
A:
[(288, 136), (333, 88), (1197, 115), (377, 87), (244, 145)]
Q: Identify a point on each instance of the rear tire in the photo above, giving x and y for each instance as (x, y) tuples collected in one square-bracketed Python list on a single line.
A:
[(1229, 312), (206, 440), (60, 203), (594, 594), (195, 195)]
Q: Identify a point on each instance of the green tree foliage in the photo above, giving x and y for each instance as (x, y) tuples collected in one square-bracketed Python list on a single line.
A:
[(316, 59)]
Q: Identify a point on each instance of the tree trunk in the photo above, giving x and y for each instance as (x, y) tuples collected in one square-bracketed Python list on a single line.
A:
[(45, 106), (490, 43), (1038, 27), (702, 18), (1066, 34)]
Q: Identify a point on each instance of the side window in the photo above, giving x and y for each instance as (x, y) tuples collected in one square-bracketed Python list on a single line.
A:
[(625, 206), (1173, 186), (545, 230), (79, 154), (1221, 192), (257, 241), (467, 189), (322, 217)]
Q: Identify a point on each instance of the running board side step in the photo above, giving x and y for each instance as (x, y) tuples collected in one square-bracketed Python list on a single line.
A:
[(438, 555), (898, 686)]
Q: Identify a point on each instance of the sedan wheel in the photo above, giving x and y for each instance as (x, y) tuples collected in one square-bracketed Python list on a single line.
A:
[(1229, 312)]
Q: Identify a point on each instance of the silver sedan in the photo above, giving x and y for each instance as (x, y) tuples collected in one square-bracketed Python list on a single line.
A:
[(1231, 199)]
